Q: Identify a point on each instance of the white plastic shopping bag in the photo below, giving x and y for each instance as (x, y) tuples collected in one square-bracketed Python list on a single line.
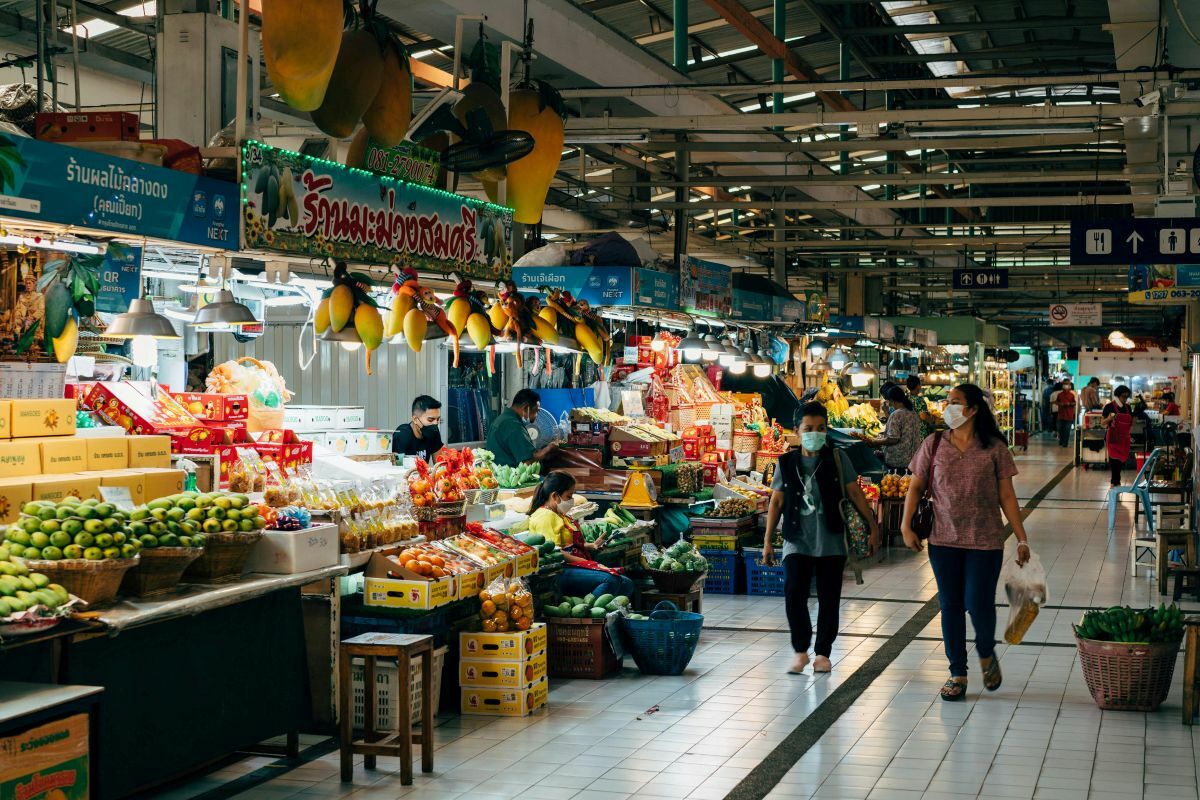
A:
[(1026, 590)]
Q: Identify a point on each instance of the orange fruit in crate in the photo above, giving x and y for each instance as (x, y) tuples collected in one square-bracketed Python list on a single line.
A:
[(485, 596), (501, 627), (489, 626), (524, 623), (487, 608), (501, 617), (516, 612)]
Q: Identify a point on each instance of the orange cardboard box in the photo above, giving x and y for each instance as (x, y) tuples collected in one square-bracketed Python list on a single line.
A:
[(42, 418), (63, 454), (149, 451), (215, 407), (56, 487), (14, 494), (20, 458), (109, 452), (5, 419), (161, 482), (139, 409), (131, 479)]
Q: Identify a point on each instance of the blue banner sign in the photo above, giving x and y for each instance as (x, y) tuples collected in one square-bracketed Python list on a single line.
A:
[(68, 185), (1135, 241), (752, 306), (656, 289), (848, 324), (787, 309), (980, 278), (120, 279), (600, 286)]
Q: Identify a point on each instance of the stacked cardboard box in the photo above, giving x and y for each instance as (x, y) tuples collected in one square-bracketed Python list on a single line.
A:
[(503, 674)]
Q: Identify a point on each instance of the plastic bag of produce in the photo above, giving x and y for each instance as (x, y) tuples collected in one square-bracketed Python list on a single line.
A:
[(506, 605), (1026, 590)]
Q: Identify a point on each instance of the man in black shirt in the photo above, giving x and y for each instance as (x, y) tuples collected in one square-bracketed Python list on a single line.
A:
[(422, 436)]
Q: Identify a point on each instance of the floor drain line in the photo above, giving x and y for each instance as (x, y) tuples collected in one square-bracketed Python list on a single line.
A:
[(771, 770)]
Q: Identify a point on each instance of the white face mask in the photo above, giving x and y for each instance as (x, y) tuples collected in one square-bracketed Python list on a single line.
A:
[(954, 417)]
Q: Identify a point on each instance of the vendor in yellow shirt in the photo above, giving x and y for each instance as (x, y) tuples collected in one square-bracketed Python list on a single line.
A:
[(582, 576)]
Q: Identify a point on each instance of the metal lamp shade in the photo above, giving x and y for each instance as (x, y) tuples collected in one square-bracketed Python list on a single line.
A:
[(224, 310), (141, 320)]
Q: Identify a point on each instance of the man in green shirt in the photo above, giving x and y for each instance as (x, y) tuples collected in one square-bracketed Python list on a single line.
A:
[(509, 437)]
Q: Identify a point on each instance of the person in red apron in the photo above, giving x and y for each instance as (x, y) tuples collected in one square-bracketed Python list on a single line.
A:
[(1118, 419)]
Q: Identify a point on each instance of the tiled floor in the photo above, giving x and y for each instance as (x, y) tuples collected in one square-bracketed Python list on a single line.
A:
[(696, 736)]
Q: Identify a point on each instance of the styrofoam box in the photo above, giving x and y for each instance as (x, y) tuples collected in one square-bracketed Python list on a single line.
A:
[(310, 418), (386, 689), (293, 552), (350, 418)]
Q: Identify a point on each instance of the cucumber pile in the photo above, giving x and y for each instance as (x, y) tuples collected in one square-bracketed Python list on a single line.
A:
[(1127, 625), (518, 476), (587, 606)]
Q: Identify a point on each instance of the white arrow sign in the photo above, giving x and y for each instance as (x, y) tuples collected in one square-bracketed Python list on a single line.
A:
[(1134, 239)]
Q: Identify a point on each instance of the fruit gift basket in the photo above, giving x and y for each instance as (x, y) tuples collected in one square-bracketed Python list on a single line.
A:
[(676, 569)]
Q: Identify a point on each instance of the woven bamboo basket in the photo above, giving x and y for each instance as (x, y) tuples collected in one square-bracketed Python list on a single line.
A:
[(224, 558), (425, 513), (159, 570), (763, 460), (687, 415), (487, 496), (454, 509), (1127, 676), (746, 441), (94, 582)]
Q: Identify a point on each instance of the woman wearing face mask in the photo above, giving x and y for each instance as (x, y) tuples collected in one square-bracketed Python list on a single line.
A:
[(806, 493), (902, 436), (421, 436), (1118, 419), (547, 516), (972, 472)]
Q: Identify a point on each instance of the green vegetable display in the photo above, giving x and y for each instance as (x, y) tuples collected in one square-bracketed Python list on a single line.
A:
[(587, 606), (679, 557), (518, 476), (1127, 625)]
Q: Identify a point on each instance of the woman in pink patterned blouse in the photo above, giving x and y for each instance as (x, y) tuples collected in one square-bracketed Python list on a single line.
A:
[(972, 472)]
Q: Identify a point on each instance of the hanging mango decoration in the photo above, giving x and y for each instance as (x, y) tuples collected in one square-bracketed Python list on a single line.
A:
[(414, 308), (301, 41), (390, 113), (357, 76), (70, 286), (347, 306), (537, 109)]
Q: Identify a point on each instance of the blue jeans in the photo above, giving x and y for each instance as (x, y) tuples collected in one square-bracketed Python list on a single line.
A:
[(577, 582), (966, 581)]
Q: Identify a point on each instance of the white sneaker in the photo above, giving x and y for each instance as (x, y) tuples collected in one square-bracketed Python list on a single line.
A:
[(799, 662)]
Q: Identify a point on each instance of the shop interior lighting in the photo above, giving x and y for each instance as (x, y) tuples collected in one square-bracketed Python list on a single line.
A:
[(838, 358), (897, 363), (657, 344), (141, 320), (712, 348), (51, 243), (729, 354), (818, 348), (347, 337), (1119, 339), (860, 374), (865, 343), (692, 347), (765, 366), (738, 368), (223, 311)]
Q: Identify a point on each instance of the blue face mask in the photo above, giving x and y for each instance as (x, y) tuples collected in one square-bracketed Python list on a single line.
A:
[(812, 441)]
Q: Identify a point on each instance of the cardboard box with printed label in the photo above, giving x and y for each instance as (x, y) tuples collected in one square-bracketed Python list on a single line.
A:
[(5, 419), (350, 418), (161, 482), (14, 494), (47, 762), (140, 408), (387, 584), (509, 646), (214, 407), (107, 453), (55, 487), (515, 674), (63, 454), (504, 702), (149, 451), (20, 458), (131, 479), (42, 418)]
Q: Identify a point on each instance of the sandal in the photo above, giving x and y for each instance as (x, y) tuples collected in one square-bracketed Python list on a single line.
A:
[(954, 689), (991, 674)]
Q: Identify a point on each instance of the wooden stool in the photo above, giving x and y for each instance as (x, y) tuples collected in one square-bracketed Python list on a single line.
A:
[(402, 647), (690, 600), (1182, 574), (1168, 540), (1191, 644)]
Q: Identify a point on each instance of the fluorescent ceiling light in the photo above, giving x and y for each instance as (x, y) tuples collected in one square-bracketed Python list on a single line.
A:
[(50, 243)]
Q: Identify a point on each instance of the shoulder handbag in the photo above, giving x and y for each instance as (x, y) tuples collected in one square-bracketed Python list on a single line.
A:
[(857, 531), (922, 521)]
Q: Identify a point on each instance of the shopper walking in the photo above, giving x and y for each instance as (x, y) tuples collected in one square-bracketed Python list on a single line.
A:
[(553, 497), (806, 494), (902, 434), (1089, 398), (970, 471), (1064, 403), (1118, 439), (1048, 405)]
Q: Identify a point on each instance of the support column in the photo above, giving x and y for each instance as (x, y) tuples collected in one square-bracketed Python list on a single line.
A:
[(779, 270), (680, 21), (780, 30), (682, 160)]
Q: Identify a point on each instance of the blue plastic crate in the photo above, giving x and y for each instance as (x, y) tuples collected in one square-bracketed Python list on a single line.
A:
[(761, 579), (432, 623), (723, 571)]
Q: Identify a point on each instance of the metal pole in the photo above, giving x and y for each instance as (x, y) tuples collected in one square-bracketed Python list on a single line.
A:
[(40, 24), (681, 35), (777, 63), (242, 94), (52, 35), (75, 53), (682, 161)]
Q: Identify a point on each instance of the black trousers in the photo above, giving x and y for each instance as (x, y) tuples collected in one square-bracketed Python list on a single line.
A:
[(1116, 467), (798, 572)]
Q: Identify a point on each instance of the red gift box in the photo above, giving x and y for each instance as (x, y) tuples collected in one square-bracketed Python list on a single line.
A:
[(214, 407), (137, 411), (79, 392), (90, 126), (206, 439), (229, 455)]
